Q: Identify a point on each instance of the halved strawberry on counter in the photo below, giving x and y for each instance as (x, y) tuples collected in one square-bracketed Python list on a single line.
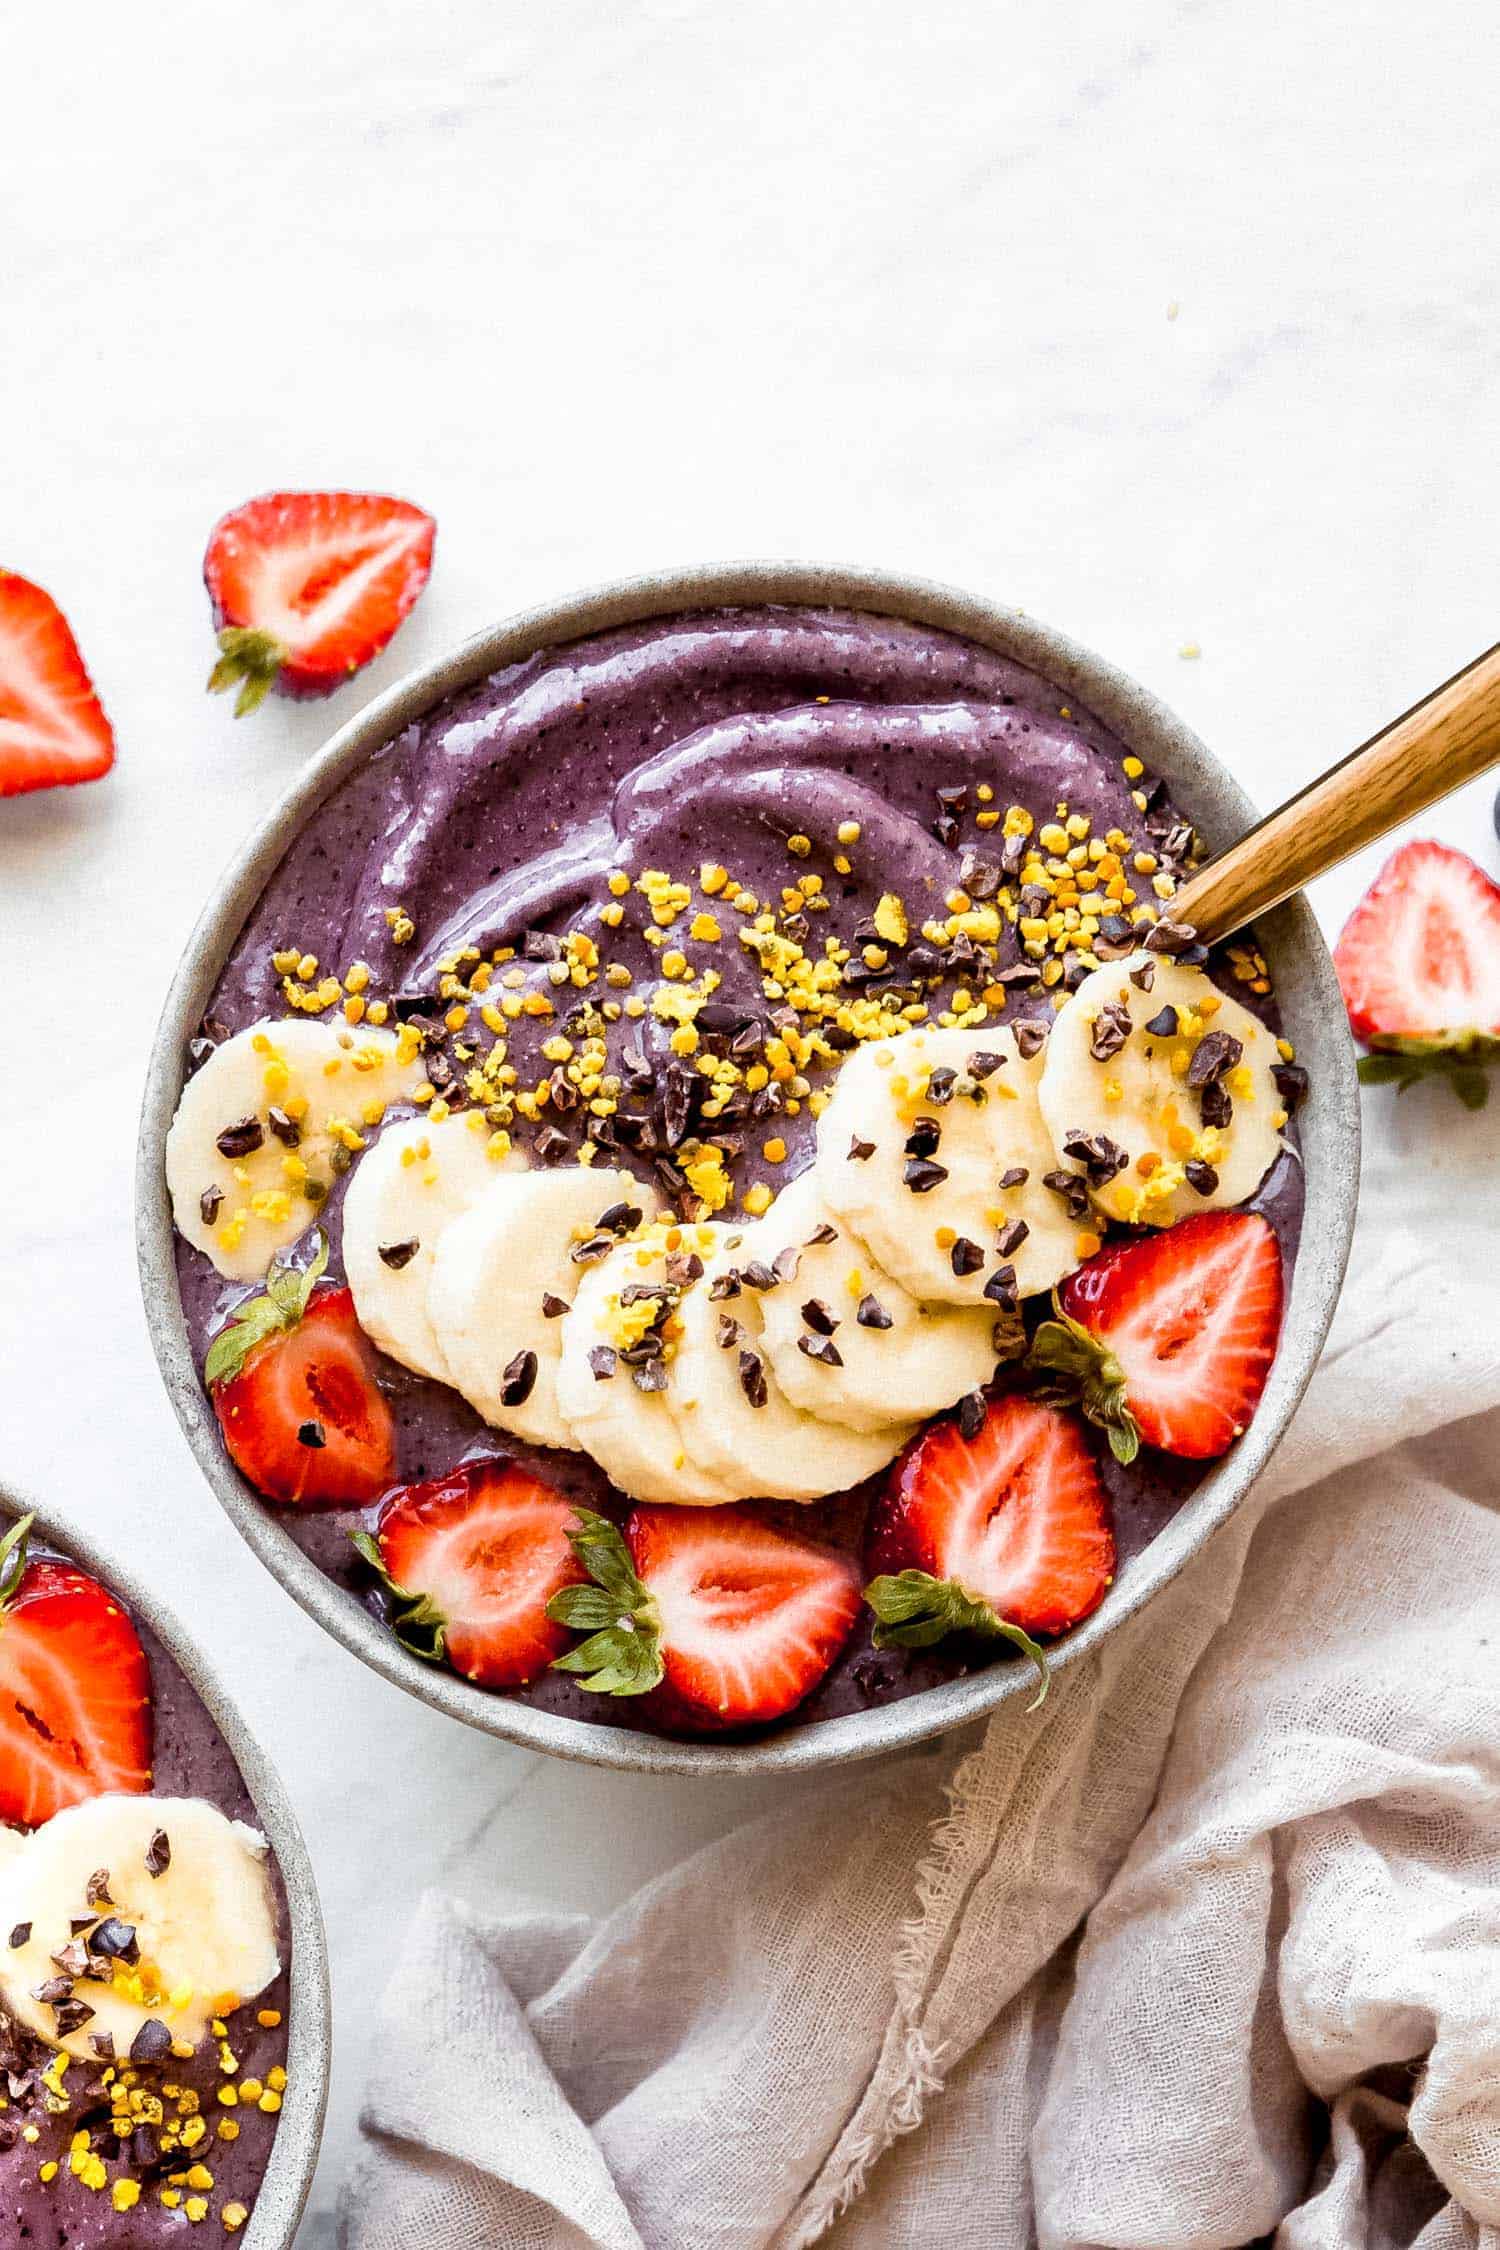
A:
[(53, 731), (75, 1689), (1167, 1340), (1419, 966), (722, 1617), (471, 1562), (1004, 1534), (307, 587), (292, 1379)]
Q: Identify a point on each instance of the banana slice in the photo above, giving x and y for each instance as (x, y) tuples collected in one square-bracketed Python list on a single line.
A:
[(844, 1339), (629, 1303), (503, 1275), (946, 1191), (257, 1127), (734, 1417), (174, 1948), (416, 1180), (1163, 1097)]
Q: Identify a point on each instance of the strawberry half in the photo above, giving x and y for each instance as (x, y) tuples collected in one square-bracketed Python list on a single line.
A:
[(292, 1378), (308, 586), (471, 1561), (730, 1620), (1169, 1339), (1419, 966), (53, 731), (1006, 1533), (75, 1689)]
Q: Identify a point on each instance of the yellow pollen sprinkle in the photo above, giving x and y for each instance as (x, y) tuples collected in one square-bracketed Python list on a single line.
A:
[(849, 832), (890, 919), (774, 1150), (619, 884), (756, 1200), (799, 846)]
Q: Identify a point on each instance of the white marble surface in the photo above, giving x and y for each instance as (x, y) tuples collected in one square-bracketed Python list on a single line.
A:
[(609, 286)]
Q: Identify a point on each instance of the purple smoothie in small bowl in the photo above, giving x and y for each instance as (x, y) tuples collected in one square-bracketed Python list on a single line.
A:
[(880, 757), (108, 2155)]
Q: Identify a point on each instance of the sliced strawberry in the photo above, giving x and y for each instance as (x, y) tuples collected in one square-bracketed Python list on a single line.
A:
[(471, 1561), (308, 586), (1012, 1522), (1170, 1338), (293, 1383), (75, 1689), (1419, 966), (730, 1620), (1420, 954), (53, 731)]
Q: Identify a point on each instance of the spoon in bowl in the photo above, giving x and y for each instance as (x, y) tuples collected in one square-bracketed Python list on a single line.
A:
[(1448, 738)]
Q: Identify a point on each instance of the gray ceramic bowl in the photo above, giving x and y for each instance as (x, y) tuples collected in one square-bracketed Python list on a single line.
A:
[(1309, 996), (294, 2150)]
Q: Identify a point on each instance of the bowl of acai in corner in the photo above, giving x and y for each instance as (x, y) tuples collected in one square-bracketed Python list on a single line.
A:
[(697, 1207), (164, 2029)]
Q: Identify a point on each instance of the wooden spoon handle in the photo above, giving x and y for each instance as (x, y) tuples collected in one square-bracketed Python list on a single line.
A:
[(1441, 742)]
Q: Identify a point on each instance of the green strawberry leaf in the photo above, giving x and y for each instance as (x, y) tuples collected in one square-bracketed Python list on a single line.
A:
[(1077, 1370), (13, 1558), (915, 1610), (622, 1655), (1462, 1057), (277, 1312), (619, 1661), (250, 660), (585, 1609), (416, 1620)]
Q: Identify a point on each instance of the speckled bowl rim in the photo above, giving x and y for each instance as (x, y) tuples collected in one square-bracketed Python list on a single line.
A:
[(1307, 990), (282, 2195)]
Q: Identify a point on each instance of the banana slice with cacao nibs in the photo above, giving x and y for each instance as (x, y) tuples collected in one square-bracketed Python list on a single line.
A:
[(135, 1921), (267, 1122), (732, 1409), (1159, 1091), (503, 1277), (844, 1339), (407, 1191), (934, 1152), (618, 1341)]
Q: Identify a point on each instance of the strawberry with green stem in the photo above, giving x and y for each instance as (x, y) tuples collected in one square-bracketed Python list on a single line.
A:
[(75, 1688), (1003, 1534), (307, 587), (1168, 1339), (292, 1377), (1419, 967), (470, 1562), (720, 1616)]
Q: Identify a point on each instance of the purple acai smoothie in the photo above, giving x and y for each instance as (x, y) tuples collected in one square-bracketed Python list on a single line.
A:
[(739, 797), (109, 2152)]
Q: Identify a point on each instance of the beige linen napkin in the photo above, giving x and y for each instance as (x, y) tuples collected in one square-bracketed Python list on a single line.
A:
[(1085, 1977)]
